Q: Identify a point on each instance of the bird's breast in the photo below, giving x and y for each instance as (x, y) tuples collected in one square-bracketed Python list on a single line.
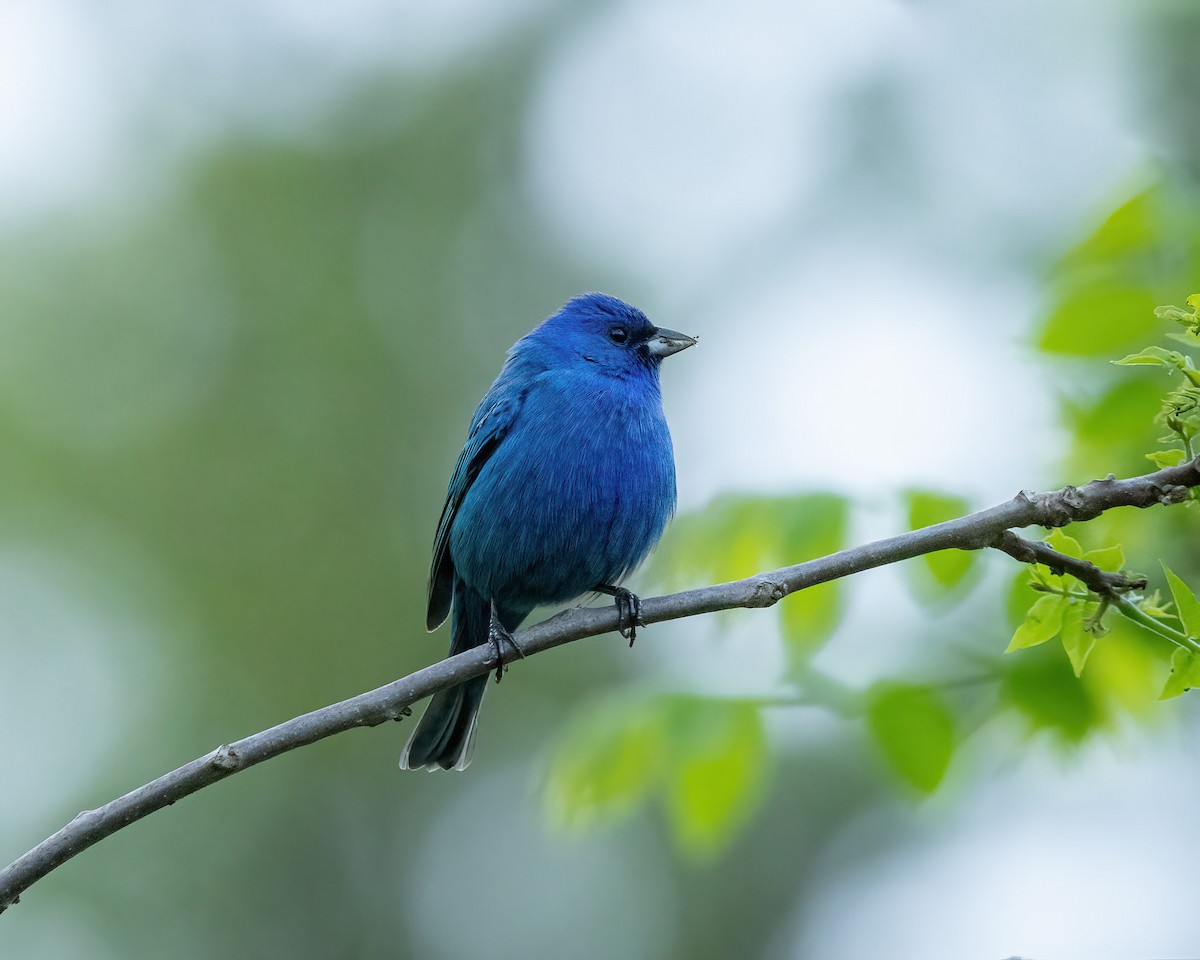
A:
[(577, 494)]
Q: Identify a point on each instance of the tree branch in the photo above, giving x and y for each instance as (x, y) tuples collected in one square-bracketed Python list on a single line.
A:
[(1098, 581), (392, 701)]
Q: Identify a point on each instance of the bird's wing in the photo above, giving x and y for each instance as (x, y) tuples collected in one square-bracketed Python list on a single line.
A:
[(488, 428)]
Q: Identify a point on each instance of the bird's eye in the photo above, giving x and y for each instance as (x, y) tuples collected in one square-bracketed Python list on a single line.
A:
[(618, 334)]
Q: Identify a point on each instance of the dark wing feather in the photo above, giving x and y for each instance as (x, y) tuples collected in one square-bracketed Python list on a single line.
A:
[(487, 431)]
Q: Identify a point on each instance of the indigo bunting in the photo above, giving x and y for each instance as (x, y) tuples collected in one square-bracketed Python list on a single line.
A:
[(565, 484)]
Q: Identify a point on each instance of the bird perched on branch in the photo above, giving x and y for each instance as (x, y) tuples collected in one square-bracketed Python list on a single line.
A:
[(565, 484)]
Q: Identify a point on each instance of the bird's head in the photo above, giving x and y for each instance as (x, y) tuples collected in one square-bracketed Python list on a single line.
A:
[(599, 329)]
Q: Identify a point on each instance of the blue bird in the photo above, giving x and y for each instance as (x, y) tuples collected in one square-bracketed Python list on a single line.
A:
[(565, 484)]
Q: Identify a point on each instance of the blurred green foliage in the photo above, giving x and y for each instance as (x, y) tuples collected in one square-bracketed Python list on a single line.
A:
[(1044, 691), (914, 731), (762, 533), (938, 575), (608, 762), (1104, 312), (704, 758)]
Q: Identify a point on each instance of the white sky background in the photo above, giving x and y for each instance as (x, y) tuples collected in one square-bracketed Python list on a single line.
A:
[(701, 150)]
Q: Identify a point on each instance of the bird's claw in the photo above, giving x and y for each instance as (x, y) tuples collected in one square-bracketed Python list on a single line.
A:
[(629, 613), (499, 638)]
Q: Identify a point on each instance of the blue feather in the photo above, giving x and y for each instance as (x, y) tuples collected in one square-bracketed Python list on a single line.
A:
[(566, 482)]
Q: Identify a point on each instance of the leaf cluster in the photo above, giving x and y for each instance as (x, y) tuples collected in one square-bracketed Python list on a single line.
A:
[(1180, 411), (1067, 608)]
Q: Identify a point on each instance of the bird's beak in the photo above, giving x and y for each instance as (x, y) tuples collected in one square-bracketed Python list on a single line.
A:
[(666, 342)]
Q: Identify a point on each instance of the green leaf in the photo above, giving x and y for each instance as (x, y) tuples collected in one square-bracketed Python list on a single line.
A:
[(1153, 606), (1019, 598), (1130, 229), (1110, 559), (1185, 602), (1075, 639), (914, 731), (1064, 544), (809, 616), (1042, 623), (736, 537), (1191, 373), (607, 763), (1171, 312), (811, 526), (1105, 429), (1185, 674), (926, 507), (1098, 319), (1159, 356), (707, 758), (947, 568), (1167, 458), (717, 774), (752, 544)]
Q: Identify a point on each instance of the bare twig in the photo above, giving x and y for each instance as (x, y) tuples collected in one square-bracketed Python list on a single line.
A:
[(1098, 581), (392, 701)]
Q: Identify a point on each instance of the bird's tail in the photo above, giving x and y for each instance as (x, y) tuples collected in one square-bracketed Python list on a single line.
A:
[(445, 737)]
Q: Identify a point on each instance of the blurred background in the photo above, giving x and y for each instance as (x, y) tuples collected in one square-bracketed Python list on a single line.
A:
[(258, 262)]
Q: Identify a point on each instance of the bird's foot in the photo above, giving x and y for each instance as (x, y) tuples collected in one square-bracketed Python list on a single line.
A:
[(629, 610), (503, 645)]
